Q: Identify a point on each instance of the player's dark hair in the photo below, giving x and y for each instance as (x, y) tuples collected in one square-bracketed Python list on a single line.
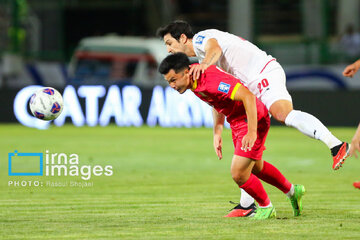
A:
[(177, 61), (176, 28)]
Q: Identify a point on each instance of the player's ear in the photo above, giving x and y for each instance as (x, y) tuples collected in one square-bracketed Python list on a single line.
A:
[(183, 38)]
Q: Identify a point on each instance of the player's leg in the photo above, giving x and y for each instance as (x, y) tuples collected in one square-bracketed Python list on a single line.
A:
[(310, 126), (246, 201), (241, 172), (277, 99), (246, 207), (282, 111), (270, 174), (239, 130)]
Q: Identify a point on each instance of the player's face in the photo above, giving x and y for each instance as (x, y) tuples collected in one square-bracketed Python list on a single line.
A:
[(173, 45), (178, 81)]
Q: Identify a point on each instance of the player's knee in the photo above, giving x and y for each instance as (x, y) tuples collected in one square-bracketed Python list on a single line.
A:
[(280, 116), (281, 109), (257, 167), (239, 177)]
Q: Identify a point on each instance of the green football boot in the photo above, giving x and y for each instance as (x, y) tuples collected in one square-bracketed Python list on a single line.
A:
[(265, 213), (296, 203)]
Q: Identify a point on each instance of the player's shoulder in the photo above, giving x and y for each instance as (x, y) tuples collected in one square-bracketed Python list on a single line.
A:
[(208, 32), (194, 64), (211, 71), (217, 71), (212, 76), (216, 75), (201, 37), (213, 68)]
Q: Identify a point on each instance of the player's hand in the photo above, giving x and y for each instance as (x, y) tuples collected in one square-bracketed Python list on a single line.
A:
[(218, 146), (355, 146), (248, 141), (350, 70), (196, 70)]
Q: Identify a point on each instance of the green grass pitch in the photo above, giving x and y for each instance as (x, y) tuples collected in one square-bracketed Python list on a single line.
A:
[(168, 184)]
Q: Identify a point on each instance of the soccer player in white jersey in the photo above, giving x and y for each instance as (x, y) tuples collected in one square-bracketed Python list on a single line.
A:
[(260, 73)]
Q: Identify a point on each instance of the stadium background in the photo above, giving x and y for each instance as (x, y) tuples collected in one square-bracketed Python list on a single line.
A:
[(39, 39), (158, 190)]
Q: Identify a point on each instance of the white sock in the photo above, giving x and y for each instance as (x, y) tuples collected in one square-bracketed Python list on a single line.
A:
[(291, 192), (245, 199), (312, 127)]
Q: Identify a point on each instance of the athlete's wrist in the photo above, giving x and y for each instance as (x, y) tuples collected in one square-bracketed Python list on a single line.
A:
[(357, 64), (217, 133), (252, 131), (205, 64), (217, 130)]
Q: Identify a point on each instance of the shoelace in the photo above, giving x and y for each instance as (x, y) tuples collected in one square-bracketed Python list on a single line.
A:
[(237, 205)]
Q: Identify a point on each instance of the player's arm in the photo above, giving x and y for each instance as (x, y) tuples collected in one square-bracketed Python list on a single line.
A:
[(355, 143), (212, 54), (249, 101), (219, 119), (351, 69)]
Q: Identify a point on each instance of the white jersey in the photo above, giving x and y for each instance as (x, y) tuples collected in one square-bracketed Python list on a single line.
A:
[(239, 57)]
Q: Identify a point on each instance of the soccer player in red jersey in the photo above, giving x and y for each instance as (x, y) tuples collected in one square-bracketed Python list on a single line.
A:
[(249, 121)]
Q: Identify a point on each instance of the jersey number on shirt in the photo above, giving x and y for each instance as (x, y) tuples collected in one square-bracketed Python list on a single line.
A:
[(263, 84)]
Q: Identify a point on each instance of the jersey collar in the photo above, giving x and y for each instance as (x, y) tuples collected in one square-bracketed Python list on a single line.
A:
[(194, 85)]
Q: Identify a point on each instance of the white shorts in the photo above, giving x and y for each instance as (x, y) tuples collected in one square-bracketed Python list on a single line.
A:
[(270, 85)]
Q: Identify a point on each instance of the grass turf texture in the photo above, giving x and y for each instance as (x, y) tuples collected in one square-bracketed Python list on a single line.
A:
[(168, 184)]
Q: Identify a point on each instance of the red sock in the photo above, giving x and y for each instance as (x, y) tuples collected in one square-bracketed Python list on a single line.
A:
[(255, 189), (273, 176)]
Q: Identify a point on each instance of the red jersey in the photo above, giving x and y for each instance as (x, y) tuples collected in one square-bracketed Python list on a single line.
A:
[(217, 88)]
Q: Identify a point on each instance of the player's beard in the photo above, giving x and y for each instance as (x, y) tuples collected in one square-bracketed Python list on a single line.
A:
[(181, 90)]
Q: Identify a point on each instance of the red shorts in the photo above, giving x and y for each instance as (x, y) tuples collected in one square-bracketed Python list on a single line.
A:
[(240, 129)]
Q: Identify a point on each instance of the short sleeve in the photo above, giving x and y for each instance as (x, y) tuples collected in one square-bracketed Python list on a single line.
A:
[(200, 39), (221, 84)]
